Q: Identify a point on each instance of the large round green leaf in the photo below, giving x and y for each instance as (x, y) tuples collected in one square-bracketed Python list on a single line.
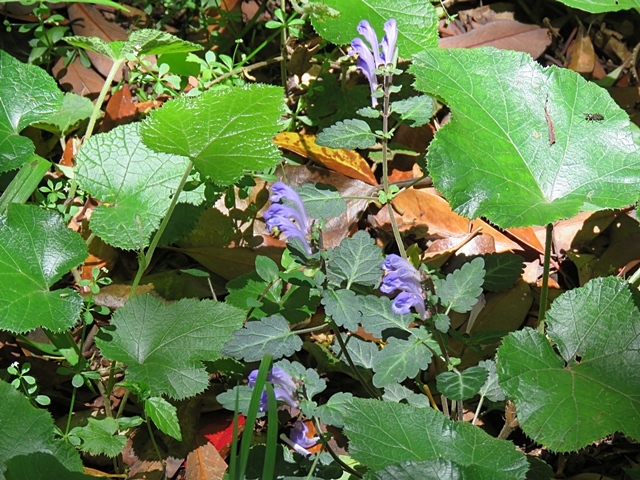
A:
[(224, 132), (496, 157), (164, 346), (591, 387), (417, 22), (36, 249), (27, 95), (386, 433), (134, 183)]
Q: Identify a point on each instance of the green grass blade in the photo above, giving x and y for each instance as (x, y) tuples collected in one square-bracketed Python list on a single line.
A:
[(25, 182)]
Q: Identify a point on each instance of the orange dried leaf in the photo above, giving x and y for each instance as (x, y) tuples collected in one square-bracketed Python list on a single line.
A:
[(347, 162)]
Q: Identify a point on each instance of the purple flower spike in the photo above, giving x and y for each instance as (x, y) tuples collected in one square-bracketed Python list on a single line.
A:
[(401, 275), (284, 387), (299, 440), (367, 64), (290, 219), (389, 50), (365, 29)]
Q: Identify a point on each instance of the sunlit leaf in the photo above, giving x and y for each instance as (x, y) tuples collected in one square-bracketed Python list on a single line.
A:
[(498, 159), (28, 95), (224, 132), (36, 250)]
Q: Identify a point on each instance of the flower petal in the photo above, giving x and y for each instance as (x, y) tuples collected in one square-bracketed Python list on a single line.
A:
[(277, 376), (389, 51), (365, 29)]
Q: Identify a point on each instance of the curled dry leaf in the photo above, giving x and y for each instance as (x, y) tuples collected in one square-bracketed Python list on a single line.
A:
[(427, 215), (347, 162)]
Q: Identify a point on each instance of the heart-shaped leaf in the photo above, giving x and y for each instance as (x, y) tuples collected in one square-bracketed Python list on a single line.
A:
[(36, 250), (591, 388), (224, 132), (134, 183), (164, 346), (519, 149)]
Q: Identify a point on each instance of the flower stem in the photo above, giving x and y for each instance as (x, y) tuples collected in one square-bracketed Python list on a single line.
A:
[(385, 167), (545, 278)]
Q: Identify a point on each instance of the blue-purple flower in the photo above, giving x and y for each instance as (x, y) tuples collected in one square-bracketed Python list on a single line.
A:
[(401, 275), (289, 218), (377, 54), (298, 439), (284, 387)]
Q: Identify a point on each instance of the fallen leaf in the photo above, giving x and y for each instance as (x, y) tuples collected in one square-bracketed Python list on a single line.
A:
[(120, 110), (205, 463), (347, 162), (220, 432), (582, 56), (77, 78), (503, 34)]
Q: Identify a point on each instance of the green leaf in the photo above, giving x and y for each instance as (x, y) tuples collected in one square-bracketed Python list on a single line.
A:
[(461, 385), (460, 290), (590, 389), (29, 429), (401, 359), (362, 353), (417, 22), (270, 335), (164, 416), (228, 399), (94, 44), (602, 6), (40, 466), (491, 389), (155, 42), (73, 110), (342, 306), (494, 158), (334, 101), (28, 95), (36, 250), (377, 316), (384, 433), (266, 268), (502, 271), (356, 261), (351, 133), (331, 413), (322, 200), (308, 377), (100, 437), (139, 44), (224, 132), (164, 346), (435, 469), (134, 184), (415, 111), (396, 393)]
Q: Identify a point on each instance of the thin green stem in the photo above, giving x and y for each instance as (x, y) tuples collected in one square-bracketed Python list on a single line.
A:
[(545, 278), (343, 347), (633, 279), (153, 440), (385, 168), (103, 93), (333, 454), (283, 46), (156, 238), (70, 414)]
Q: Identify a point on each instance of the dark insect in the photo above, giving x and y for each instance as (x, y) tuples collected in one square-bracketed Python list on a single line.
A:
[(593, 117)]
